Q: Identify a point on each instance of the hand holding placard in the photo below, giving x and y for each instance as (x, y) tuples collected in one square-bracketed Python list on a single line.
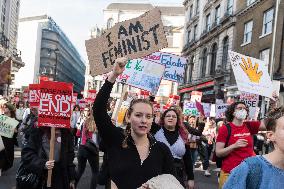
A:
[(117, 69)]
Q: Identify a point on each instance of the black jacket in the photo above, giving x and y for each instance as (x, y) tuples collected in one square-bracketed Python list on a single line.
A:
[(126, 169), (34, 159)]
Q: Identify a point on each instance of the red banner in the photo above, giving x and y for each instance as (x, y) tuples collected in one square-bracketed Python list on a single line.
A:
[(55, 104), (26, 94), (34, 96)]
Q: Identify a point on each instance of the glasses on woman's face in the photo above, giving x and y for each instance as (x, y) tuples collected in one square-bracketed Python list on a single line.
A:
[(171, 116)]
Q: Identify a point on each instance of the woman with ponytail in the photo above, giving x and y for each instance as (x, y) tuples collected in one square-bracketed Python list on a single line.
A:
[(134, 155)]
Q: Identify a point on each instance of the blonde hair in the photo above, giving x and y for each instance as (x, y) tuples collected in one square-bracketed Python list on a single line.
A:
[(90, 122)]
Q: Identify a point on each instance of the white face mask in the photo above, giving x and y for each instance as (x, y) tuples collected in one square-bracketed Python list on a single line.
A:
[(241, 114)]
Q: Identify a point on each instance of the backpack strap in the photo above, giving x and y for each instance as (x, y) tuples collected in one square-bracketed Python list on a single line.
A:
[(254, 176), (229, 134)]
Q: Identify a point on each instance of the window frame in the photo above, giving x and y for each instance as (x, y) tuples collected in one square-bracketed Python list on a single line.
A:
[(265, 23), (246, 39)]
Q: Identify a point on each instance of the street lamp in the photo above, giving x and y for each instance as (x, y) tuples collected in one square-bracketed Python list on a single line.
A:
[(56, 52)]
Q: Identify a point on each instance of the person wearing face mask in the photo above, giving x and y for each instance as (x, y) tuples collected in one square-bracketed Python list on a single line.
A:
[(234, 141)]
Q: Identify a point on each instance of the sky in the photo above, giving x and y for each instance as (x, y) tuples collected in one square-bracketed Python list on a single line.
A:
[(77, 17)]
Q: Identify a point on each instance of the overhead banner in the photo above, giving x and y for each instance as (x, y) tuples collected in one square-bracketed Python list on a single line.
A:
[(189, 108), (251, 101), (175, 65), (143, 74), (34, 95), (55, 105), (132, 38), (251, 74), (7, 126), (196, 96)]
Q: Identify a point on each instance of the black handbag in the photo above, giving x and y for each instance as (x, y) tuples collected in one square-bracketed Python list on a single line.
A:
[(91, 146), (27, 179)]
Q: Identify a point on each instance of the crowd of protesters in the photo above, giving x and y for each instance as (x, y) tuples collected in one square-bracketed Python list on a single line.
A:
[(150, 144)]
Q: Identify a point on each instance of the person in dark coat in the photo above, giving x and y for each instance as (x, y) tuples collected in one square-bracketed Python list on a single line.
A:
[(36, 152)]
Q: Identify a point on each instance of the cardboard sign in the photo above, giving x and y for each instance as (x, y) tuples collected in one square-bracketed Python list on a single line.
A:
[(251, 74), (34, 95), (196, 96), (55, 105), (132, 38), (142, 74), (251, 101), (7, 126), (220, 110), (189, 108), (175, 65)]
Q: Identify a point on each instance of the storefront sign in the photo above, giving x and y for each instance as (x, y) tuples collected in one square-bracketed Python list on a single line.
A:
[(200, 86)]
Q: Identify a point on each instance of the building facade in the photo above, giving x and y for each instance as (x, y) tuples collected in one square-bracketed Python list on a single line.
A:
[(173, 20), (47, 51), (8, 41), (255, 27), (209, 30)]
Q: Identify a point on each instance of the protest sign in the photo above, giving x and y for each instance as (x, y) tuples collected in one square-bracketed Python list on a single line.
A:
[(74, 98), (189, 108), (55, 104), (251, 101), (196, 96), (199, 108), (7, 126), (276, 87), (220, 110), (132, 38), (26, 94), (173, 100), (82, 103), (213, 110), (34, 95), (175, 65), (207, 109), (91, 96), (251, 74), (142, 74)]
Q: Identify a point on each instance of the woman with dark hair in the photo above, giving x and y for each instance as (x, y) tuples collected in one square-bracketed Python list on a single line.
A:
[(20, 109), (265, 171), (36, 152), (234, 141), (134, 155), (172, 133), (7, 155), (74, 119)]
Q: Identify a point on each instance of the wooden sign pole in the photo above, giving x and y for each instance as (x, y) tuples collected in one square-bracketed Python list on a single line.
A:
[(122, 97), (51, 155)]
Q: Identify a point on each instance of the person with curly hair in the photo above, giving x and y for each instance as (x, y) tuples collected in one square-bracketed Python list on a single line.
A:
[(234, 141), (265, 171)]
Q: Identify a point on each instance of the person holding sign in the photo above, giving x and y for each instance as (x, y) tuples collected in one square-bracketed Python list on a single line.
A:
[(234, 141), (134, 155), (265, 171), (7, 155), (35, 157)]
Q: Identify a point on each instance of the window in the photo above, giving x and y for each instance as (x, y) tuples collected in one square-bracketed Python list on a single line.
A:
[(213, 59), (207, 26), (249, 2), (248, 32), (109, 23), (190, 11), (197, 7), (230, 7), (203, 63), (225, 51), (217, 15), (194, 32), (190, 70), (188, 36), (267, 21), (264, 55)]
